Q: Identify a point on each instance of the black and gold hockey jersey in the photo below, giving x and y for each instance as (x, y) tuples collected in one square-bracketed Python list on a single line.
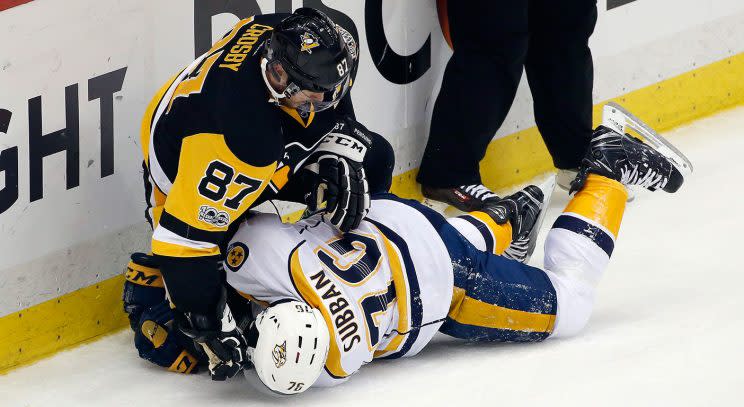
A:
[(214, 145)]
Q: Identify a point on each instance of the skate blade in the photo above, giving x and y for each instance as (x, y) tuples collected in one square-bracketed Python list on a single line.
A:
[(618, 118), (547, 187)]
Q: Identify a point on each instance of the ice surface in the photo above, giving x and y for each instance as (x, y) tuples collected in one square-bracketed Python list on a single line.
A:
[(666, 329)]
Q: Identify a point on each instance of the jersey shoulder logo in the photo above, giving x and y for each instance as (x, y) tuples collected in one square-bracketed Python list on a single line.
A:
[(309, 41), (213, 216), (236, 255)]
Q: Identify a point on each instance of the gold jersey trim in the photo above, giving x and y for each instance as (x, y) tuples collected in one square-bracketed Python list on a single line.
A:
[(310, 296), (401, 292)]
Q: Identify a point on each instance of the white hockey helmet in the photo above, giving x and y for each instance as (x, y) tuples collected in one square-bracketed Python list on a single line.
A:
[(291, 347)]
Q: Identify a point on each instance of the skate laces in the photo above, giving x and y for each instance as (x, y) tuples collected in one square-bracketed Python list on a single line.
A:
[(651, 179), (479, 191), (518, 249)]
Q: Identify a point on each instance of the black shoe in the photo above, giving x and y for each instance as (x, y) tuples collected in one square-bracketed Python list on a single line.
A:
[(627, 160), (467, 198), (522, 210)]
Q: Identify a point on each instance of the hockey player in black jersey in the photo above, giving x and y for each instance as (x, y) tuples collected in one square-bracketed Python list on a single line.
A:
[(264, 114), (327, 304)]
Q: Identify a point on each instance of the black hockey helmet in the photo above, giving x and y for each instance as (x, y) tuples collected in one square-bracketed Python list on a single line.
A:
[(317, 55)]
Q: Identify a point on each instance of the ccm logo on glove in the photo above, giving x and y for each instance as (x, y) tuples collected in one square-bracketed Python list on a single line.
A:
[(343, 145)]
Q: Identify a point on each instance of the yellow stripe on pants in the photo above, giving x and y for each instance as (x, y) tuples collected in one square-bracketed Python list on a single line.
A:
[(469, 311)]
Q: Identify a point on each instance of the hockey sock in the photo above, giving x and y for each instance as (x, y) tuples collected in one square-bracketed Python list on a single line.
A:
[(596, 211), (483, 232), (578, 249)]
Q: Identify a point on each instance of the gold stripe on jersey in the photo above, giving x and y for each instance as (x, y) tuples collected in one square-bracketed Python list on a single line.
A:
[(159, 204), (221, 43), (156, 200), (152, 107), (187, 204), (280, 177), (601, 200), (401, 292), (179, 250), (194, 84), (469, 311), (310, 296), (296, 115), (502, 234)]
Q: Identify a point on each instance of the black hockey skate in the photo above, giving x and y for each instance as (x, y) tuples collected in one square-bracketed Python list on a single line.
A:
[(522, 209), (628, 160)]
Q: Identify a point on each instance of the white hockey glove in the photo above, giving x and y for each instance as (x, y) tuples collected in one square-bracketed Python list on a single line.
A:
[(342, 182)]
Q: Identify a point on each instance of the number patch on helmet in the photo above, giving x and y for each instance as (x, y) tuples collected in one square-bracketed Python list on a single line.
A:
[(342, 68), (295, 386)]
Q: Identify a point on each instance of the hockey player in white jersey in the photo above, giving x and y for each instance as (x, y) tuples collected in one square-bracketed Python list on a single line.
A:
[(336, 302), (329, 303)]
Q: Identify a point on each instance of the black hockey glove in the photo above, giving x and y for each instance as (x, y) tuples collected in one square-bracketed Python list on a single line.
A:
[(220, 337), (143, 287), (342, 182), (343, 187)]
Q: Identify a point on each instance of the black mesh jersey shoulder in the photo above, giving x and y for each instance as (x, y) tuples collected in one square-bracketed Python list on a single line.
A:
[(225, 94)]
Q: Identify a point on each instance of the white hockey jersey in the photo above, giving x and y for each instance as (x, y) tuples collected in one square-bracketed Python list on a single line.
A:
[(384, 289)]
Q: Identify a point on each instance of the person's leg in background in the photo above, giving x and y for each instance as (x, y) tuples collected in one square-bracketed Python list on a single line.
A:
[(561, 74), (480, 81)]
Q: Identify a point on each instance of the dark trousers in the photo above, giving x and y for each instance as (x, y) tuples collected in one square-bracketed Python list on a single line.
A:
[(492, 41)]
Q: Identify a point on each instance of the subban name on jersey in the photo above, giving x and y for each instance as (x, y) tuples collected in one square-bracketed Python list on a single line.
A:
[(343, 317)]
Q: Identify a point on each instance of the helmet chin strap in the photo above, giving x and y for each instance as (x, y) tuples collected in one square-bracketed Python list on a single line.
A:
[(275, 96)]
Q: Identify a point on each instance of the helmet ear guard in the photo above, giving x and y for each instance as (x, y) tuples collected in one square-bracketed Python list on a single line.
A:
[(288, 346)]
